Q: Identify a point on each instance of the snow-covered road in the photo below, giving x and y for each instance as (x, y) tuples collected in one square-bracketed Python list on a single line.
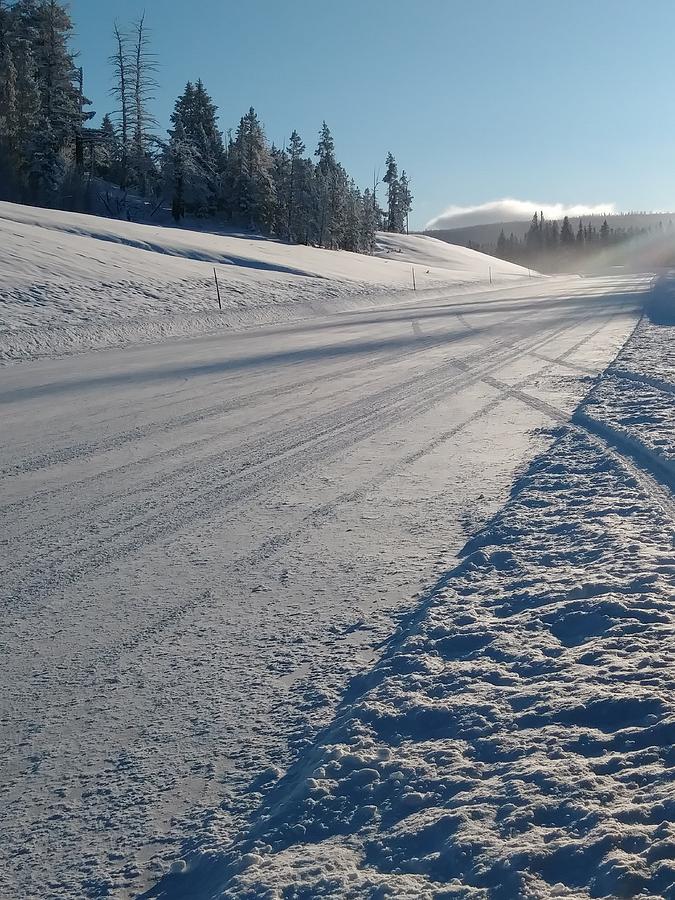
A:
[(204, 539)]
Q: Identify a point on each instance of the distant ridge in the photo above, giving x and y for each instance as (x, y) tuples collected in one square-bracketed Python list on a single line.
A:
[(487, 235)]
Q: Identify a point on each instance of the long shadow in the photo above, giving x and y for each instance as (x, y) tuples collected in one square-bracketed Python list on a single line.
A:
[(562, 308), (204, 876), (446, 309), (237, 364), (214, 258)]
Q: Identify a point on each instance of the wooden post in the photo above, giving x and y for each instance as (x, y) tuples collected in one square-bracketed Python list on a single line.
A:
[(215, 275), (490, 273), (413, 276)]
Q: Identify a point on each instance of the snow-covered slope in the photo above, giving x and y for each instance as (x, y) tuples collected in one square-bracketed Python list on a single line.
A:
[(430, 253), (69, 280)]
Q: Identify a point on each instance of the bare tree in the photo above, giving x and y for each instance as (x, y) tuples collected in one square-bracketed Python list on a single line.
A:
[(144, 84), (121, 64)]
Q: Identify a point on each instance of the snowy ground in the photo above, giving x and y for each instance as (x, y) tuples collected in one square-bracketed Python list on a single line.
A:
[(517, 736), (72, 282), (205, 539)]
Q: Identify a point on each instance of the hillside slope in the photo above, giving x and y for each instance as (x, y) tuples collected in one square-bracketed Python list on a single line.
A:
[(69, 280)]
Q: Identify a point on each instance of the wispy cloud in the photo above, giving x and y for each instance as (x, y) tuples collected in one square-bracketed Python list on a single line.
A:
[(510, 210)]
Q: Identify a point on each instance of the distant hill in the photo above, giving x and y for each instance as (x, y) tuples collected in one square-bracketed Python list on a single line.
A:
[(486, 236)]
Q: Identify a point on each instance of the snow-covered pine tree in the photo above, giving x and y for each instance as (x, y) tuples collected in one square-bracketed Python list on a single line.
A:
[(108, 153), (202, 142), (393, 192), (57, 75), (208, 140), (8, 137), (405, 202), (304, 225), (296, 150), (48, 102), (281, 171), (46, 168), (251, 188), (353, 218), (182, 170), (369, 221)]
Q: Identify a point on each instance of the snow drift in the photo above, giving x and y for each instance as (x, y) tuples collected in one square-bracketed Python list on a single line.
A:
[(69, 280)]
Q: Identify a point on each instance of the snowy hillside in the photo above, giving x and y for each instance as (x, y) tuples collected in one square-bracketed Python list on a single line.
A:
[(69, 280)]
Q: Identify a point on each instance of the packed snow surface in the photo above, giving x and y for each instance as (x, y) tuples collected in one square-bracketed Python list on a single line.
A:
[(70, 281), (517, 736), (205, 539)]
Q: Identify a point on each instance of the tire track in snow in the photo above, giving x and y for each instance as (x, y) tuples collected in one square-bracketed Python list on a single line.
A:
[(318, 514), (656, 478), (256, 448), (48, 576), (203, 414)]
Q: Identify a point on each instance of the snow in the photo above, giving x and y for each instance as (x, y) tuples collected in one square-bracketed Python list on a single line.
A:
[(516, 738), (71, 281), (206, 540)]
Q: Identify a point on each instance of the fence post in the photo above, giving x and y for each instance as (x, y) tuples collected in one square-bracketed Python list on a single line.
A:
[(215, 275), (413, 277)]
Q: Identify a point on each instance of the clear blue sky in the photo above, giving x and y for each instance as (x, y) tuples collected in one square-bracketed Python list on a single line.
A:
[(478, 99)]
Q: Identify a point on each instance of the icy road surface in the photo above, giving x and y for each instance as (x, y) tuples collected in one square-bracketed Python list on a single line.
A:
[(204, 539)]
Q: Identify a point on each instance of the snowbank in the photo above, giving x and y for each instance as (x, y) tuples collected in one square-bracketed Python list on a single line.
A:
[(517, 738), (69, 280), (661, 305), (633, 406)]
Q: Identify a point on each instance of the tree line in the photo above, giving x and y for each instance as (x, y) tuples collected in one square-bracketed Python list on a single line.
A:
[(50, 156), (551, 245)]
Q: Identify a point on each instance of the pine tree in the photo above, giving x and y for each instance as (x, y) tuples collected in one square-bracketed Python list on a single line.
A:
[(532, 238), (57, 75), (604, 230), (202, 188), (326, 187), (393, 191), (566, 233), (281, 169), (108, 156), (369, 221), (8, 98), (296, 150), (46, 168), (325, 151), (501, 245), (40, 81), (182, 170), (249, 169), (405, 201)]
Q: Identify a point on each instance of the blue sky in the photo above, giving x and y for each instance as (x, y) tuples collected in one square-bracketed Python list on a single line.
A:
[(570, 102)]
